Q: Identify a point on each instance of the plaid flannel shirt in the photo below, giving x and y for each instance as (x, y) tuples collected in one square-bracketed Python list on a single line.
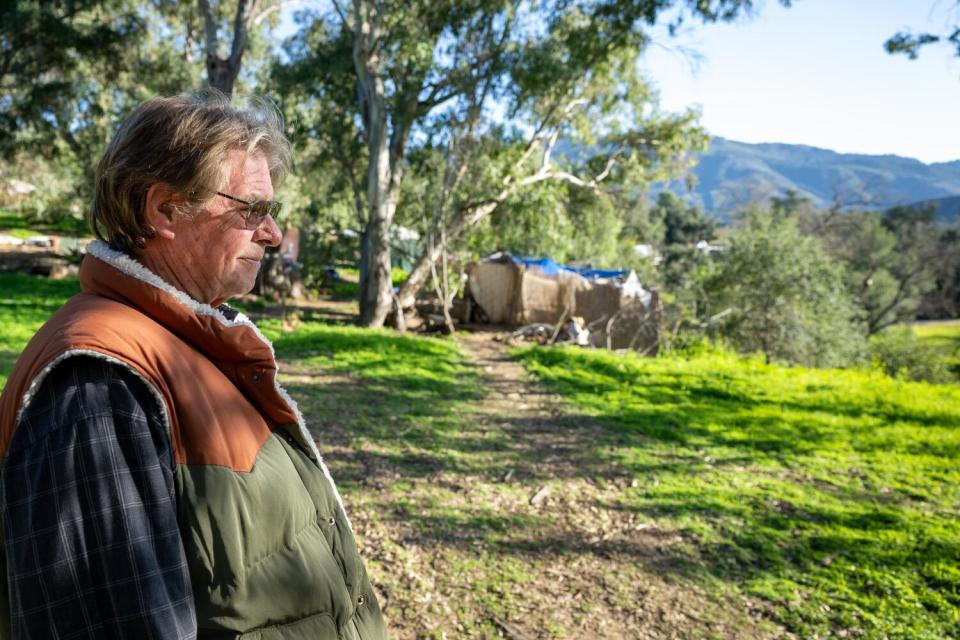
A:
[(90, 520)]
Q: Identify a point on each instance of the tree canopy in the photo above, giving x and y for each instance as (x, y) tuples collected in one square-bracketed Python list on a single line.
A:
[(465, 79)]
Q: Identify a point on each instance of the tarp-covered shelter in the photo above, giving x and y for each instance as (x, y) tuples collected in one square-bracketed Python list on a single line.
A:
[(519, 291)]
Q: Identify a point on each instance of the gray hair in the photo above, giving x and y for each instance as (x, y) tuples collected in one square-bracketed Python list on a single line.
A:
[(184, 142)]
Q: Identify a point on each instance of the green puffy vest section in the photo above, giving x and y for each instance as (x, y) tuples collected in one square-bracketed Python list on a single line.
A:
[(275, 549)]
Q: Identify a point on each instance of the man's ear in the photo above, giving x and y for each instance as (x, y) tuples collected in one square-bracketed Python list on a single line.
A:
[(159, 210)]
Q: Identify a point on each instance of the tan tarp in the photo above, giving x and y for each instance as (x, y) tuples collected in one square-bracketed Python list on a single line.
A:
[(494, 287), (546, 298), (511, 294)]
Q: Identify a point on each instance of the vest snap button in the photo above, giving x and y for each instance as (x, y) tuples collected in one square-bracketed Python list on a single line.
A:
[(333, 521), (360, 600), (256, 376)]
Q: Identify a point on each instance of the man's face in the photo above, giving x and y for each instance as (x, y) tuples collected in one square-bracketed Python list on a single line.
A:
[(217, 257)]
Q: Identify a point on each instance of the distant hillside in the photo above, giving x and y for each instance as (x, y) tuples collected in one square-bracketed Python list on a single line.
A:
[(948, 209), (732, 173)]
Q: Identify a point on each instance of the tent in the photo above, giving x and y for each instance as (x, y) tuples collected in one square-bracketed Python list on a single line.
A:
[(518, 291)]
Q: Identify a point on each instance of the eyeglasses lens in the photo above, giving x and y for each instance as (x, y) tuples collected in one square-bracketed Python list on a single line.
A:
[(261, 209)]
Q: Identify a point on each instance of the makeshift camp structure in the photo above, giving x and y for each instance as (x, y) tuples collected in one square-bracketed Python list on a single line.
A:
[(619, 312)]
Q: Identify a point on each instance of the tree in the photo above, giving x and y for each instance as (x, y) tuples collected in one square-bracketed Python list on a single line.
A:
[(909, 43), (70, 71), (684, 225), (433, 70), (45, 48), (943, 301), (916, 254), (783, 296), (674, 228), (224, 59)]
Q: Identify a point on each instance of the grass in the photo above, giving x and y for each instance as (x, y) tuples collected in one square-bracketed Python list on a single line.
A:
[(384, 384), (393, 414), (945, 334), (22, 227), (832, 495), (943, 338), (25, 303), (347, 287)]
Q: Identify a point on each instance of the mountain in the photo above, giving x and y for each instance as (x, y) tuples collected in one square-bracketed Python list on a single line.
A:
[(947, 209), (732, 173)]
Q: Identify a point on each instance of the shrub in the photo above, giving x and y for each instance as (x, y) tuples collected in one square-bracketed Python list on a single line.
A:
[(901, 354), (777, 292)]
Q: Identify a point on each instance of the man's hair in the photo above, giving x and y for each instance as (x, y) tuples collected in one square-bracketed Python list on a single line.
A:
[(184, 142)]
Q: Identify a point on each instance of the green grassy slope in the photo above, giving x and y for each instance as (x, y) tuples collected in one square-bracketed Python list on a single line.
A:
[(942, 335), (833, 495), (391, 384), (25, 303)]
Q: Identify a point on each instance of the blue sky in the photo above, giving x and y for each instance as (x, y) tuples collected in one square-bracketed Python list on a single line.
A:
[(817, 74)]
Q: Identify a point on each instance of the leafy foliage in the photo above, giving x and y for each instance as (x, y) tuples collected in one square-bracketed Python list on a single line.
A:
[(909, 44), (71, 71), (784, 296), (894, 260), (426, 76), (900, 353)]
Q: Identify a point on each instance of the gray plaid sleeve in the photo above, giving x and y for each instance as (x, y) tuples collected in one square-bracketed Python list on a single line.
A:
[(90, 521)]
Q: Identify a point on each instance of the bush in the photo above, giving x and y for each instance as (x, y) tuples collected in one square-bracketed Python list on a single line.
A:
[(778, 293), (901, 354)]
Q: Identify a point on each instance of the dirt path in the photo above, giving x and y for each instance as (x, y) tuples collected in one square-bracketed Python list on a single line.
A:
[(528, 538), (600, 559)]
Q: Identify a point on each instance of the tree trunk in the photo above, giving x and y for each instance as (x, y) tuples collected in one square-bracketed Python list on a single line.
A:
[(385, 150), (222, 72), (376, 287)]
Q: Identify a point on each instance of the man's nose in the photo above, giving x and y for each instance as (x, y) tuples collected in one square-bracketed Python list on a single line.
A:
[(268, 232)]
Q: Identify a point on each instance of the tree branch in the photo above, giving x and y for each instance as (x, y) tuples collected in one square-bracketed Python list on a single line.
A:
[(240, 21), (209, 27)]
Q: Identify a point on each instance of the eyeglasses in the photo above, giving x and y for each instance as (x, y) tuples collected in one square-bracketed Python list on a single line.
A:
[(256, 210)]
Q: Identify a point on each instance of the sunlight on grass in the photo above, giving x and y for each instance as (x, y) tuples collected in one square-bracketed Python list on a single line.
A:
[(944, 338), (832, 494), (404, 396), (947, 330), (25, 304)]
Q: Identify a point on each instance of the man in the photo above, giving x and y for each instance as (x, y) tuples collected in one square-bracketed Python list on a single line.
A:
[(157, 482)]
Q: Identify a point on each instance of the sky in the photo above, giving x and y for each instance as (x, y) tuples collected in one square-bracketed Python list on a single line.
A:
[(817, 74)]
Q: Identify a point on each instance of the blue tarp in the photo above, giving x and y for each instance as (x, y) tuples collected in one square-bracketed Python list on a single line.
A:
[(551, 268)]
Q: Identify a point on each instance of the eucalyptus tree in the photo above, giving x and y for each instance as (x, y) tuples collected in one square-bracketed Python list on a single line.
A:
[(469, 76), (230, 31)]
